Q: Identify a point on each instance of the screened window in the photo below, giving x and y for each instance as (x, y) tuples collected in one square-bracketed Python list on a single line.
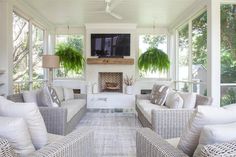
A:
[(192, 56), (147, 41), (27, 71), (77, 42), (228, 54)]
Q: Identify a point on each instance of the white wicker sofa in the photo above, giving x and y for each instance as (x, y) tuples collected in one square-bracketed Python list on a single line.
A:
[(60, 120), (169, 123), (79, 143)]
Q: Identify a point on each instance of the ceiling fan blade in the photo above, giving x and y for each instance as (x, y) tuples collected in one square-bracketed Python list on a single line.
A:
[(115, 16), (114, 4)]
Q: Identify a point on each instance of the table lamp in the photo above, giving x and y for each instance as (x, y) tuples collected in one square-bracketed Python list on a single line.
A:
[(50, 62)]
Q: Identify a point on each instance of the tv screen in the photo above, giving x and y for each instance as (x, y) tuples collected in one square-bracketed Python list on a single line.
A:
[(110, 45)]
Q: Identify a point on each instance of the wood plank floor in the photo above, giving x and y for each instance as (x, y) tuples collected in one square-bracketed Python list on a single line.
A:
[(114, 131)]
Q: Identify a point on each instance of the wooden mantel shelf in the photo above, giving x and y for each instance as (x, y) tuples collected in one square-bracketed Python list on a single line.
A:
[(123, 61)]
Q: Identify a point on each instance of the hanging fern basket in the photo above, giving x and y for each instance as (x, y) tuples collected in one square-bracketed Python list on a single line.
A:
[(154, 60), (71, 59)]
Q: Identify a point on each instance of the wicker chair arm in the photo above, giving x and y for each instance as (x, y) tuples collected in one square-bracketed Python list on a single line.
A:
[(170, 123), (6, 149), (150, 144), (55, 119), (76, 144), (223, 149)]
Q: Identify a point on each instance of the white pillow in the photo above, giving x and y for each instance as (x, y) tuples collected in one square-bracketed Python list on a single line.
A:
[(59, 91), (46, 98), (30, 96), (216, 134), (68, 93), (174, 101), (32, 116), (15, 130), (189, 99), (204, 115)]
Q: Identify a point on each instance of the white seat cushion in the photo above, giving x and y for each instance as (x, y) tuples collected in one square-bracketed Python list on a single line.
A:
[(173, 141), (73, 106), (205, 115), (15, 130), (30, 113), (146, 107)]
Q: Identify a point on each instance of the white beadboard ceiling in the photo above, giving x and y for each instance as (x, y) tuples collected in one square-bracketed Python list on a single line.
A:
[(142, 12)]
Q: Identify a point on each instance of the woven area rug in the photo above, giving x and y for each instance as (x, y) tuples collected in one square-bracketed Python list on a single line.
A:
[(114, 131)]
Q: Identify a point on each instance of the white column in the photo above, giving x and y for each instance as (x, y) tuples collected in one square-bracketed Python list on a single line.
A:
[(6, 46), (213, 47)]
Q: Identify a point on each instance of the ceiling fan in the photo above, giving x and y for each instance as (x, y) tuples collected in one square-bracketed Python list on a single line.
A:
[(110, 7)]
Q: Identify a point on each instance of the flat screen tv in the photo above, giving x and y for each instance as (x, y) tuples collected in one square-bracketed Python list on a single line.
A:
[(110, 45)]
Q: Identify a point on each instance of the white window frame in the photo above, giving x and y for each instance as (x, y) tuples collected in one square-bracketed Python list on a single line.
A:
[(189, 81), (82, 77), (151, 32), (36, 24)]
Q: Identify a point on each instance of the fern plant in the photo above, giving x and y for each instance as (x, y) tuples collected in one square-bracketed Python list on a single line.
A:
[(70, 58), (154, 60)]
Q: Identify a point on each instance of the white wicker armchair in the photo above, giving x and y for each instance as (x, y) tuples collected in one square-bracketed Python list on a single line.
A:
[(150, 144), (76, 144)]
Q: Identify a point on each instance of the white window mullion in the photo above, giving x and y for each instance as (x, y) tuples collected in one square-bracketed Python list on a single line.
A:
[(30, 56), (190, 55), (177, 60)]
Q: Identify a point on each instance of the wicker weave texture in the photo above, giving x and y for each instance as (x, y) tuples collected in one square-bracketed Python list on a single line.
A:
[(6, 150), (170, 123), (142, 119), (219, 150), (149, 144)]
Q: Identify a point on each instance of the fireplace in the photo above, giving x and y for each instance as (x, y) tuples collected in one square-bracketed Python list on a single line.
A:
[(110, 82)]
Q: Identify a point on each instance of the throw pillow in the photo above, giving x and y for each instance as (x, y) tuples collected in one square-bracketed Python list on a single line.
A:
[(203, 100), (54, 97), (30, 96), (45, 98), (59, 91), (204, 115), (68, 93), (15, 130), (174, 101), (30, 113), (189, 99), (216, 134), (159, 94)]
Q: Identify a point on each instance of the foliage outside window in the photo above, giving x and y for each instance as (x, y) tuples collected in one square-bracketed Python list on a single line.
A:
[(75, 41), (157, 41), (192, 56), (25, 59), (228, 54)]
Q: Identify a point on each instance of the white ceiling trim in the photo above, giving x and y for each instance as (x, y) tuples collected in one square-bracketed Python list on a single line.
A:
[(188, 14), (24, 9)]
